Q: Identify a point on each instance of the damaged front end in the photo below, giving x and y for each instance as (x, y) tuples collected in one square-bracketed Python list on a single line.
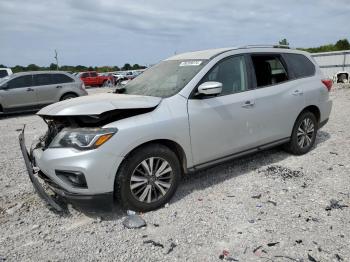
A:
[(73, 131)]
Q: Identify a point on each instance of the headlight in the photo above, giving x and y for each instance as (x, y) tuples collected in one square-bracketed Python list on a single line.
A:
[(82, 138)]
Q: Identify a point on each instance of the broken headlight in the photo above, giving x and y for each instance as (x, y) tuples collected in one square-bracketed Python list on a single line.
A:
[(82, 138)]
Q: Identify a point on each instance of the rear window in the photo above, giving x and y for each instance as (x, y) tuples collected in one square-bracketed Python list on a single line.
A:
[(61, 79), (300, 65), (3, 73), (42, 79)]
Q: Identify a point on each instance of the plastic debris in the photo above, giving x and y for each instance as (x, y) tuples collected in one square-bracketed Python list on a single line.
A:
[(131, 212), (154, 243), (134, 221), (257, 196), (339, 258), (257, 248), (311, 258), (171, 248), (335, 204), (166, 205), (272, 202), (299, 241)]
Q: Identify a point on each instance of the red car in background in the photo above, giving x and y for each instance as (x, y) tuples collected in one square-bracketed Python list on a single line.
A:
[(91, 78)]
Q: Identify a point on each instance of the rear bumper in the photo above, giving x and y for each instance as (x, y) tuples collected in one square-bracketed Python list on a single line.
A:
[(57, 197)]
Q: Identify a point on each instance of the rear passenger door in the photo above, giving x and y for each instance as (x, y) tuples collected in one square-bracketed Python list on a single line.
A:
[(278, 99), (45, 88), (63, 84)]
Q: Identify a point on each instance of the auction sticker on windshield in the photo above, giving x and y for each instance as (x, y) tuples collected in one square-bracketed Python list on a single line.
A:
[(190, 63)]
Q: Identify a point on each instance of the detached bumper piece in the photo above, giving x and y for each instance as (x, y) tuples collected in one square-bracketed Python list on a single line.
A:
[(50, 200), (58, 197)]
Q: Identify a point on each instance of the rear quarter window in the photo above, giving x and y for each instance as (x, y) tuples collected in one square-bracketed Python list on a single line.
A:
[(61, 79), (300, 65)]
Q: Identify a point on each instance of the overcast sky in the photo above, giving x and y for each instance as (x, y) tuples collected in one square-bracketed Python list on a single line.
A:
[(112, 32)]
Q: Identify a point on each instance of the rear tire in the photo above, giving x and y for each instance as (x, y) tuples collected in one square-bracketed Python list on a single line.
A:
[(68, 96), (148, 178), (303, 134)]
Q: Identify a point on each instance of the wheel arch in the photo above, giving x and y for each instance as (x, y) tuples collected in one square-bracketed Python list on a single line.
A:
[(172, 145), (68, 93), (313, 109)]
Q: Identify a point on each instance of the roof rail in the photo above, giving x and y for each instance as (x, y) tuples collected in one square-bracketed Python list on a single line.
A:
[(266, 46)]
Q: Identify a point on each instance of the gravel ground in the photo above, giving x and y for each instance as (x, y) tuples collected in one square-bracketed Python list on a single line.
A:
[(270, 206)]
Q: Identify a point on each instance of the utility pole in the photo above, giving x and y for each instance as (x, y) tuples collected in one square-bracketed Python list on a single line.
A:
[(56, 57)]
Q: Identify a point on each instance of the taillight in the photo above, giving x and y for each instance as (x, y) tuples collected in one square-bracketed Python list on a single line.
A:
[(328, 83)]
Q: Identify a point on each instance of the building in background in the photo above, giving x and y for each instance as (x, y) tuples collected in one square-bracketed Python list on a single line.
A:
[(332, 63)]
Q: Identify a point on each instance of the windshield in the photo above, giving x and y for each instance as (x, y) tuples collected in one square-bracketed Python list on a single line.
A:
[(165, 79)]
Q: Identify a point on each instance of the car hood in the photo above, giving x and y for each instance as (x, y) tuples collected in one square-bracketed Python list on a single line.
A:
[(98, 104)]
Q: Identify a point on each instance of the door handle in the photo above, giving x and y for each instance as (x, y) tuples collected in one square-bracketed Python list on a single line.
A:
[(297, 92), (58, 86), (248, 104), (30, 89)]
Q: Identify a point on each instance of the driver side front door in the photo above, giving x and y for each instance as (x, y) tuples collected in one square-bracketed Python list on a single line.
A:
[(223, 125)]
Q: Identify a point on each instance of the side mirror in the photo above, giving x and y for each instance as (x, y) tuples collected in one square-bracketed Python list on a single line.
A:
[(210, 88)]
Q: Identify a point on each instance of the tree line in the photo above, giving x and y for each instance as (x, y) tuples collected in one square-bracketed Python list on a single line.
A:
[(340, 45), (78, 68)]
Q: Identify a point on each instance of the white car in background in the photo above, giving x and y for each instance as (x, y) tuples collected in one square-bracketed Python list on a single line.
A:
[(4, 72)]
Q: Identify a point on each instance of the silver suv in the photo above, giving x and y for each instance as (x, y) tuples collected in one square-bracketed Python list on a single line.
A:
[(186, 113), (30, 91)]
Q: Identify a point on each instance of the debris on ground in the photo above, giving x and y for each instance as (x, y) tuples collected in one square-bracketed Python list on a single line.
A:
[(225, 256), (154, 243), (280, 171), (134, 221), (272, 244), (299, 241), (339, 258), (311, 258), (171, 248), (289, 258), (130, 212), (257, 248), (272, 202), (257, 196), (335, 204)]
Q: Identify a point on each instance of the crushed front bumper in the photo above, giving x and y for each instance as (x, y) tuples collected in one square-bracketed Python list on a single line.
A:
[(57, 197)]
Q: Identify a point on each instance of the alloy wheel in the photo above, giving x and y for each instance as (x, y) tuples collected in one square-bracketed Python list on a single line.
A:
[(151, 180), (305, 133)]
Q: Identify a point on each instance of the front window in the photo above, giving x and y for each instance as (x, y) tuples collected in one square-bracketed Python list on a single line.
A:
[(165, 79)]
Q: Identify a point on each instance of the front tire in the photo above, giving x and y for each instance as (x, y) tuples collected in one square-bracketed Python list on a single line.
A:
[(68, 96), (303, 134), (147, 178)]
